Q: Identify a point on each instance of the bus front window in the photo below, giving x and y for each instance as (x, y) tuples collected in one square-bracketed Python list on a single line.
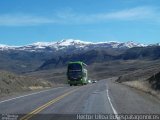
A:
[(74, 71), (74, 67)]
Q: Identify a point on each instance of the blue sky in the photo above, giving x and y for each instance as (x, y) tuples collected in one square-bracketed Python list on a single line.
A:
[(27, 21)]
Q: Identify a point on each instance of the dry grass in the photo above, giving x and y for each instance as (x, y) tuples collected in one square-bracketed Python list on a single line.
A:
[(36, 87), (12, 83), (143, 86), (129, 70)]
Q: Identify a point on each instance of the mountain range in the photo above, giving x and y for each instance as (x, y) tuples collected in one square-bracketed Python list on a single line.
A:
[(43, 64), (70, 44), (50, 55)]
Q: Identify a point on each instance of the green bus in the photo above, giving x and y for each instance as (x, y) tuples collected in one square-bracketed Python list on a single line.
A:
[(77, 73)]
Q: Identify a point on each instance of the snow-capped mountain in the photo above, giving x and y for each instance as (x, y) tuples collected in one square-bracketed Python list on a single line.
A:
[(49, 55), (6, 47), (71, 44)]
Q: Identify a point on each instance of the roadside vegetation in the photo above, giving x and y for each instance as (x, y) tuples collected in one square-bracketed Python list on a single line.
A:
[(12, 83)]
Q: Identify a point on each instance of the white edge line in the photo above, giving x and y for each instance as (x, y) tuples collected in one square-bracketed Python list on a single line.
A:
[(27, 95), (114, 110)]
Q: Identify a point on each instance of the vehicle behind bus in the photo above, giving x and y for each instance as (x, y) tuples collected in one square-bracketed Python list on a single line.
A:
[(77, 73)]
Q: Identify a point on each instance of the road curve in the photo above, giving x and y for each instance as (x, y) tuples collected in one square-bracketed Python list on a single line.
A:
[(103, 97)]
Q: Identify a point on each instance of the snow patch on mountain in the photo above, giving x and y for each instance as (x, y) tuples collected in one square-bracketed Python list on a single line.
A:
[(72, 43), (6, 47), (68, 42), (43, 43)]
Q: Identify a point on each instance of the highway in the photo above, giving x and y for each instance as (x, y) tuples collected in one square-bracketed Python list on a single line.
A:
[(103, 97)]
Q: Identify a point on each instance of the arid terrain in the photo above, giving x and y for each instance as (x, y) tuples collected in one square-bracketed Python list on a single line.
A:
[(34, 68), (134, 73)]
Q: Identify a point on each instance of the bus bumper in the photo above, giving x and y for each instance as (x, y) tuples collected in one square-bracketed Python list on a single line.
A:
[(75, 82)]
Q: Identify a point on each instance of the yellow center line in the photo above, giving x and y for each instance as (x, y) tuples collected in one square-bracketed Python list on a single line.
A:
[(39, 109)]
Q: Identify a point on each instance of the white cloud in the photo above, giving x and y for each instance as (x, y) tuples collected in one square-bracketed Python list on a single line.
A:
[(23, 20), (138, 13), (144, 13)]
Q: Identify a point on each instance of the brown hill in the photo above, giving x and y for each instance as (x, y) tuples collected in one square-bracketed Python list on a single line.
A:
[(11, 83)]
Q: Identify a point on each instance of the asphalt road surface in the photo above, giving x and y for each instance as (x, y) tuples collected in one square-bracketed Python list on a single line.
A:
[(80, 102)]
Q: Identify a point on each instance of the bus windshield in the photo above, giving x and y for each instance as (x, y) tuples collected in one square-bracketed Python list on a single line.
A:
[(74, 67)]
